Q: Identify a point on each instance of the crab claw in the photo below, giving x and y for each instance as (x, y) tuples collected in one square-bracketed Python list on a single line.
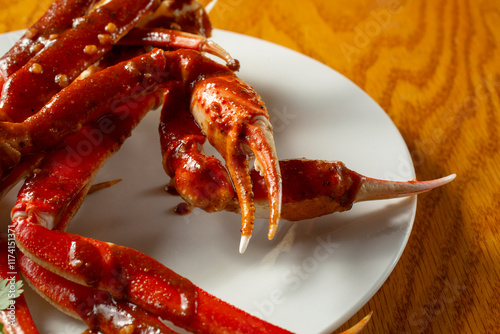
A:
[(235, 121)]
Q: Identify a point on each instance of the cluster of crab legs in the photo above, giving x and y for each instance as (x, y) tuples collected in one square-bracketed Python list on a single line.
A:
[(98, 68)]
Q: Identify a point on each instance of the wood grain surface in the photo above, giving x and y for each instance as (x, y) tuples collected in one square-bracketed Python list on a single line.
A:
[(434, 67)]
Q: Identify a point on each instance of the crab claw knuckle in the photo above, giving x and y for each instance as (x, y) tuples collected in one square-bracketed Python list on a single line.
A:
[(213, 193)]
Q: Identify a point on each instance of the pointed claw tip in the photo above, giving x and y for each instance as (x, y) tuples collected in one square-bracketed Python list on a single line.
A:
[(267, 164), (429, 185), (245, 239), (448, 179), (273, 228)]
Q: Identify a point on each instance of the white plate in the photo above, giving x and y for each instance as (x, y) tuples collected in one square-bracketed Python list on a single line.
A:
[(332, 265)]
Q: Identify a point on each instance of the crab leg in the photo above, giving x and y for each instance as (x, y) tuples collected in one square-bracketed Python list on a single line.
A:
[(131, 275), (95, 307), (312, 188), (168, 38), (58, 18), (75, 49), (132, 45), (51, 207)]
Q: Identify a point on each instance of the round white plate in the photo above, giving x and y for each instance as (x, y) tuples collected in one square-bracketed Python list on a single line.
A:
[(315, 274)]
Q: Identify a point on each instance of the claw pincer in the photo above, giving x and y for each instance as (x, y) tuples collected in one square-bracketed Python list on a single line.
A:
[(235, 121)]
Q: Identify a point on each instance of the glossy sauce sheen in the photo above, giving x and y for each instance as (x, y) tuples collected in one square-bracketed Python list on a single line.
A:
[(97, 308), (89, 99), (312, 188), (64, 173), (25, 92), (130, 275), (56, 20)]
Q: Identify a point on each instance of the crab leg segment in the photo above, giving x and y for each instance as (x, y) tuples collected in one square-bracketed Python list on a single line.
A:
[(42, 200), (74, 50), (95, 307), (311, 188), (168, 38), (132, 45), (131, 275), (234, 119), (118, 87), (73, 168), (58, 18)]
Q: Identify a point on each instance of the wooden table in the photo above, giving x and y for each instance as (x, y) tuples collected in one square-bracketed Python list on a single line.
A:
[(434, 67)]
